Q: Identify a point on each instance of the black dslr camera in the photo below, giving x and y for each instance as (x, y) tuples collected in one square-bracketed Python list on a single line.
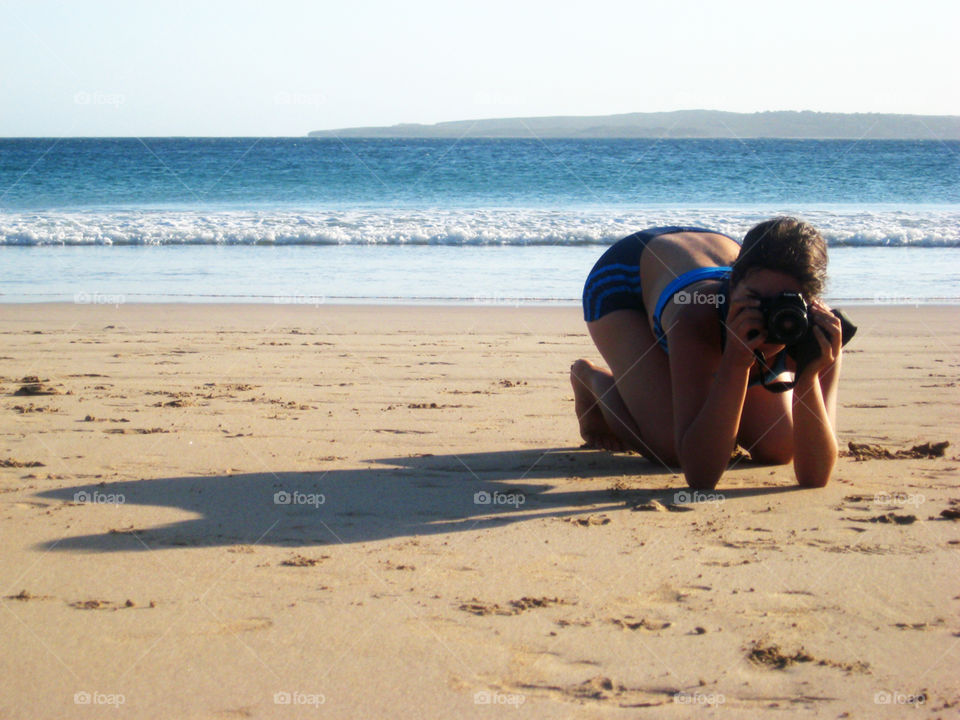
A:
[(788, 322)]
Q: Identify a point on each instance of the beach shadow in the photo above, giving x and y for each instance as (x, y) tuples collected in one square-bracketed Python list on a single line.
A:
[(393, 498)]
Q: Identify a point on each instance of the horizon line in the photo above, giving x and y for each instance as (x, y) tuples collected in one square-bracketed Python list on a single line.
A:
[(354, 128)]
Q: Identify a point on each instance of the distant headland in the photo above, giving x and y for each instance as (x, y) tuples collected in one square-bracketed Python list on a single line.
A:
[(787, 124)]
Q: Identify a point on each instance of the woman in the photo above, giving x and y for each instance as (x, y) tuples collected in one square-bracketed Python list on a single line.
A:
[(677, 314)]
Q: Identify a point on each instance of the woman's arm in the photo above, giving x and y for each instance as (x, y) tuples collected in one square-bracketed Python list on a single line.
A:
[(709, 388), (706, 443), (815, 404)]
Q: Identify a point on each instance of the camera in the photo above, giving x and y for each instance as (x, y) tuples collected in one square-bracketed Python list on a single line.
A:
[(785, 318), (788, 322)]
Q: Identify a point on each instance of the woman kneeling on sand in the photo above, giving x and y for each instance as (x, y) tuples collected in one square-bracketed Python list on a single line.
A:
[(697, 332)]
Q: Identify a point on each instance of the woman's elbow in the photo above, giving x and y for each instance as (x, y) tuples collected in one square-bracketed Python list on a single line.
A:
[(814, 473), (699, 480), (813, 477), (813, 481)]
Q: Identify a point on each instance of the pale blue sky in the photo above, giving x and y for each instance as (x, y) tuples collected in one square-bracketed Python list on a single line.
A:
[(285, 68)]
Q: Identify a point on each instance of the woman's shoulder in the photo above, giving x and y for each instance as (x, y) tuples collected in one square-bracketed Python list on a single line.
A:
[(688, 240), (668, 257)]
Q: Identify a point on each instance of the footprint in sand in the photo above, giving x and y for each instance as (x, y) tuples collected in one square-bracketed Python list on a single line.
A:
[(772, 657), (303, 561), (666, 594), (103, 605), (514, 607), (14, 463), (29, 505), (25, 595), (599, 689), (251, 624), (629, 622), (588, 520)]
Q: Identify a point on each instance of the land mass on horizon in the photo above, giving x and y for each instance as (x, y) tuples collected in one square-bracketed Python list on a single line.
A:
[(788, 124)]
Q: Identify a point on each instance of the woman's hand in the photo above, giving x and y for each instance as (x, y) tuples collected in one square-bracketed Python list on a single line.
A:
[(745, 329), (829, 336)]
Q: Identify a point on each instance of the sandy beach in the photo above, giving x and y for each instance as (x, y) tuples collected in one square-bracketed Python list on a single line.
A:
[(232, 511)]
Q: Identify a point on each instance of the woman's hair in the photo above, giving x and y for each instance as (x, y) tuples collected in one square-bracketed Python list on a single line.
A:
[(786, 245)]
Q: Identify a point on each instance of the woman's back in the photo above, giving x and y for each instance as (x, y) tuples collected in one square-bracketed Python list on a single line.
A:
[(668, 257)]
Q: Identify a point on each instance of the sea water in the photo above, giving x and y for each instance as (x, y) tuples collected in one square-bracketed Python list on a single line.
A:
[(512, 221)]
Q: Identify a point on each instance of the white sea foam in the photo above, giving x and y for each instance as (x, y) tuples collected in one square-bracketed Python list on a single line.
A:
[(916, 227)]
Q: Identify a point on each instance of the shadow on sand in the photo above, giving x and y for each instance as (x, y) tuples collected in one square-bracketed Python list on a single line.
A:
[(393, 498)]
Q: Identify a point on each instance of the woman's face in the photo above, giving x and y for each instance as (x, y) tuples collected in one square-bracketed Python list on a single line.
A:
[(762, 284)]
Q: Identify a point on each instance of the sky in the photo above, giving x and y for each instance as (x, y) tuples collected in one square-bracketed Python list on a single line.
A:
[(284, 68)]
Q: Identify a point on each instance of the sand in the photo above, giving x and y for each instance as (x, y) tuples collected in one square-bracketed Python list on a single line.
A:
[(357, 511)]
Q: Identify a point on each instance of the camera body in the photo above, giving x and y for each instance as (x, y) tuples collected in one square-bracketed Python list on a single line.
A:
[(787, 321)]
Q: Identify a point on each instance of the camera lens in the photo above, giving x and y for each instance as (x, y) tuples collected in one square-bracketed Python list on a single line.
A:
[(787, 325), (786, 319)]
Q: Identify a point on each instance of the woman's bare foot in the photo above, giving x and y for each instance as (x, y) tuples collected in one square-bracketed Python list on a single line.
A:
[(593, 428)]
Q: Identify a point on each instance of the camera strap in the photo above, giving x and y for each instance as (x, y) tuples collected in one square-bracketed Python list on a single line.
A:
[(768, 375)]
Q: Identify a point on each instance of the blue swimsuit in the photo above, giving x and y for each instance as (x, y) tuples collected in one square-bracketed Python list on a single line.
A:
[(682, 282), (614, 281)]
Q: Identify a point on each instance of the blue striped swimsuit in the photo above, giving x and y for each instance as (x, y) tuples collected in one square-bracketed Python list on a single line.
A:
[(614, 281)]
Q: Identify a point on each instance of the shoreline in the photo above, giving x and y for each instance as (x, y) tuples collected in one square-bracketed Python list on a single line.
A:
[(422, 275)]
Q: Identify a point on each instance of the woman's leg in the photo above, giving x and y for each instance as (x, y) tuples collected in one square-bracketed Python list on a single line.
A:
[(596, 400), (634, 400)]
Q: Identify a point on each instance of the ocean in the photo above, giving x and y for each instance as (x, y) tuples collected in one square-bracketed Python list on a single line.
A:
[(304, 220)]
